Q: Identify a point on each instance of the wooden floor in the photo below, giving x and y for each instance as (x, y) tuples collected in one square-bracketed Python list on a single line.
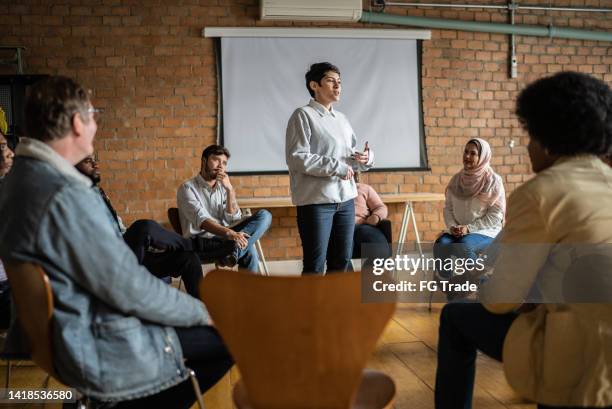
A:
[(406, 351)]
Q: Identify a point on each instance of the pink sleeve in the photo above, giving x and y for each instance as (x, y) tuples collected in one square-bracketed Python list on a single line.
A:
[(375, 204)]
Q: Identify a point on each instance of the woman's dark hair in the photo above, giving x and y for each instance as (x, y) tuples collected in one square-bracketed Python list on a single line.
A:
[(215, 150), (568, 113), (317, 72)]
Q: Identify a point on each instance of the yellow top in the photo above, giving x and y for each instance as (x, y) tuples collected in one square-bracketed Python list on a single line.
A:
[(3, 122)]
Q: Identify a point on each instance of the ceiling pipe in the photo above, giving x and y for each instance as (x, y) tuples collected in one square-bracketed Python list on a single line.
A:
[(499, 7), (538, 31)]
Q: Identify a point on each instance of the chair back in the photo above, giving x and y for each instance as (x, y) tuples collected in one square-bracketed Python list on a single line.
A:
[(299, 342), (385, 228), (175, 221), (31, 292)]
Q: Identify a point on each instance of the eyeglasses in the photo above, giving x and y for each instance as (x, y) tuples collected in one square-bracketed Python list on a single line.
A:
[(96, 112)]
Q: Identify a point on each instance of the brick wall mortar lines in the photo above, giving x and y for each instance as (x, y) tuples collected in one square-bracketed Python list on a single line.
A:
[(148, 67)]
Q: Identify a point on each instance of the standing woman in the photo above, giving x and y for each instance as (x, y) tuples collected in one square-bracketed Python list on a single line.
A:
[(475, 206), (321, 154)]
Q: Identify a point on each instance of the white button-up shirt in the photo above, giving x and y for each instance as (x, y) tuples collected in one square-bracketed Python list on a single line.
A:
[(198, 201)]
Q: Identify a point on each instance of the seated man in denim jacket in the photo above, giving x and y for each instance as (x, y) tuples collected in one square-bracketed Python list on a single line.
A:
[(119, 333)]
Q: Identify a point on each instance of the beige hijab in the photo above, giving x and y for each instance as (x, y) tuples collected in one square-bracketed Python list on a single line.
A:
[(482, 181)]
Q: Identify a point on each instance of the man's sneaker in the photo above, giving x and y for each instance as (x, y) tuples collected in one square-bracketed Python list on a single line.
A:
[(229, 260)]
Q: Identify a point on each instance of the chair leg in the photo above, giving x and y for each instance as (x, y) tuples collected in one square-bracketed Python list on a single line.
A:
[(196, 388), (7, 381), (46, 382), (83, 403)]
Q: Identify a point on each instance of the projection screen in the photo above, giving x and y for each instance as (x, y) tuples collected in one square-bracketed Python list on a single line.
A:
[(262, 83)]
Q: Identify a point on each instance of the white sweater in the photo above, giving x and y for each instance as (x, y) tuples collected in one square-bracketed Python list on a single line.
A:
[(473, 214)]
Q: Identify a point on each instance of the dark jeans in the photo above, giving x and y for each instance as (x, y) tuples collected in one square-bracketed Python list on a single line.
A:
[(464, 329), (144, 234), (5, 304), (326, 231), (466, 247), (213, 249), (184, 264), (176, 257), (368, 234), (206, 354)]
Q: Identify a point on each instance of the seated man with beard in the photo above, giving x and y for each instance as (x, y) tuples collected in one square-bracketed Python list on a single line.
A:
[(210, 215)]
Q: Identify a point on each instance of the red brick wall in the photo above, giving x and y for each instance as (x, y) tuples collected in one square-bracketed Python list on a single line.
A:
[(149, 68)]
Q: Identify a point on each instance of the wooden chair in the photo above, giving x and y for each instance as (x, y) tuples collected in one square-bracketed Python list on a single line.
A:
[(31, 292), (175, 222), (300, 342), (33, 298)]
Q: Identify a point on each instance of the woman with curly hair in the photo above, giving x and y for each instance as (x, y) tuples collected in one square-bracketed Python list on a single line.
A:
[(556, 339)]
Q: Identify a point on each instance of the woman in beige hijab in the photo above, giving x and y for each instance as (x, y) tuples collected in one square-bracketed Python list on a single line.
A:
[(474, 209)]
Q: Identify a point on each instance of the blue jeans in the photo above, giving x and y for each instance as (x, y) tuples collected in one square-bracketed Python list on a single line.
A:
[(255, 226), (326, 231), (212, 249), (466, 247)]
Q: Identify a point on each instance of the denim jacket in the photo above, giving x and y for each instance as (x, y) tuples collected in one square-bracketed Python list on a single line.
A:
[(112, 324)]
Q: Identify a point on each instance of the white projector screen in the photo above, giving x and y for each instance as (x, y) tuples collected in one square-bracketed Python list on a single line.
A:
[(262, 83)]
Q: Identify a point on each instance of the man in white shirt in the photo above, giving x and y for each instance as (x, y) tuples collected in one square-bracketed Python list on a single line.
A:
[(209, 213)]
